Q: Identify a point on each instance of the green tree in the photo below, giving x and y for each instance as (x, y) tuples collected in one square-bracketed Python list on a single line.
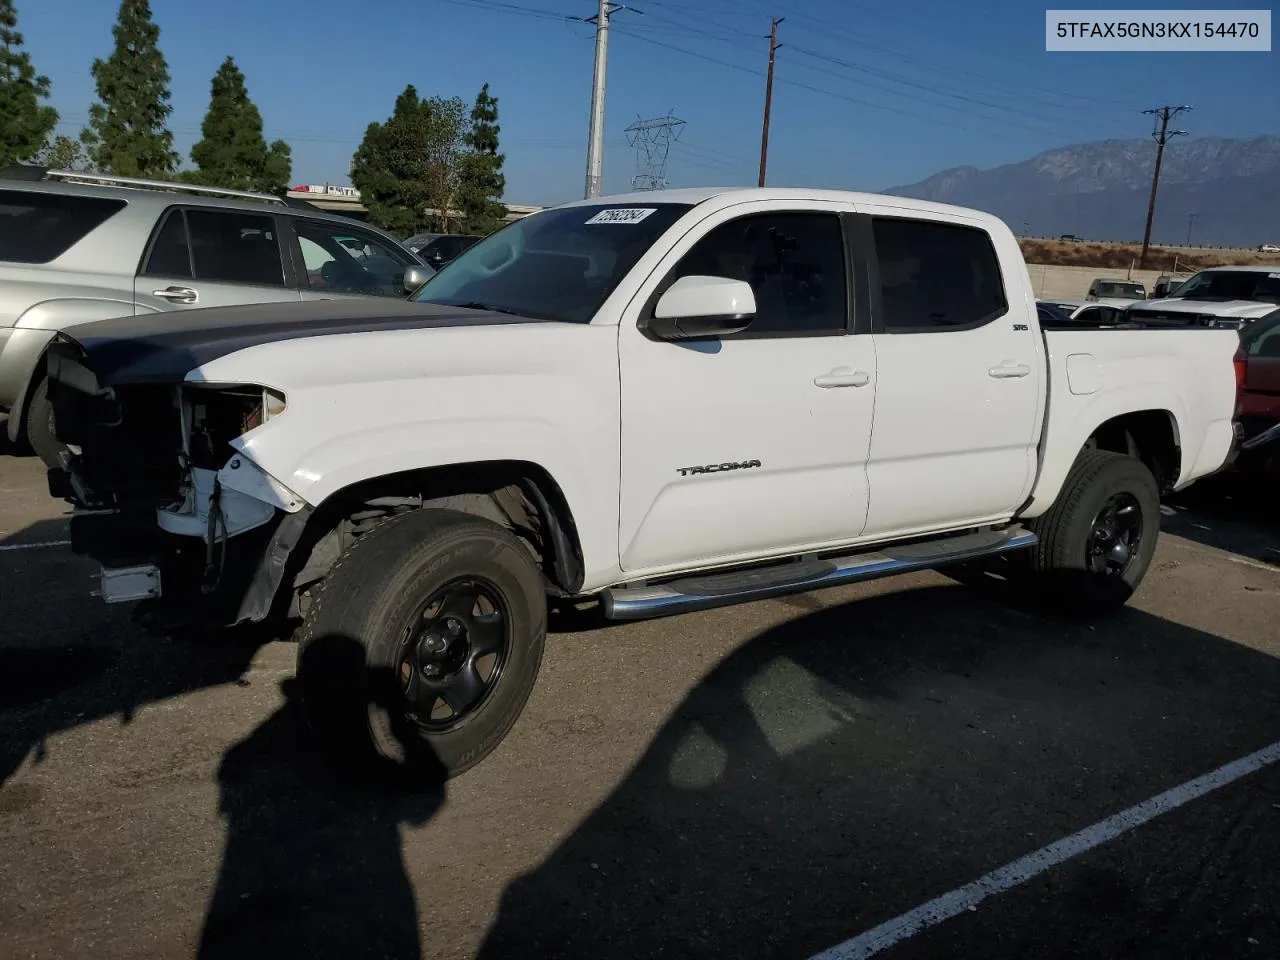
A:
[(128, 133), (406, 168), (480, 179), (25, 123), (64, 153), (233, 152)]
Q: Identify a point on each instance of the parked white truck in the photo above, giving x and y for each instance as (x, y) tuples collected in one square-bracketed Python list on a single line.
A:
[(1230, 297), (663, 402)]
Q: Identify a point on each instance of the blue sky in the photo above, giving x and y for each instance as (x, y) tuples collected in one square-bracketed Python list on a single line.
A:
[(866, 96)]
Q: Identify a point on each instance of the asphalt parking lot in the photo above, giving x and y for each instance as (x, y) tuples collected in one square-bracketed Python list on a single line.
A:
[(768, 780)]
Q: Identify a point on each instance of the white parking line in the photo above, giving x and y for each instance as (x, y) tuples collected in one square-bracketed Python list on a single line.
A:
[(35, 546), (1023, 869)]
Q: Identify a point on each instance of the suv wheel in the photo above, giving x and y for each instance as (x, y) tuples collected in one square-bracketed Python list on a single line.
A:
[(39, 426), (424, 642)]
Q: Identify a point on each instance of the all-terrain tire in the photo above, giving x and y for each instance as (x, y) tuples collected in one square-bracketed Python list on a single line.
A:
[(351, 651), (1059, 563), (38, 428)]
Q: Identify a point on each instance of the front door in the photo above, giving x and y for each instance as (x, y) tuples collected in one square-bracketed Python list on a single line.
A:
[(203, 257), (960, 391), (756, 443)]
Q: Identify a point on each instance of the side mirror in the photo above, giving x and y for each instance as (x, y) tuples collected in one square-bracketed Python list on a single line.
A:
[(699, 307), (415, 276)]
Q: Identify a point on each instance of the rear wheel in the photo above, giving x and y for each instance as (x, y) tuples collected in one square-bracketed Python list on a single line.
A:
[(1098, 538), (424, 643), (39, 426)]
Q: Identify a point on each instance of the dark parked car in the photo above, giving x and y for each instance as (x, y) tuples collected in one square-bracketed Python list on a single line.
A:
[(437, 249)]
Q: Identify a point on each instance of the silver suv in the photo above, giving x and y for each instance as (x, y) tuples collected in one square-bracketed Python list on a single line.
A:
[(77, 247)]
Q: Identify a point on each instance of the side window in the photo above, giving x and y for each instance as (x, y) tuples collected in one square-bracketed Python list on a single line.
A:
[(228, 246), (936, 276), (170, 254), (342, 260), (39, 227), (795, 263)]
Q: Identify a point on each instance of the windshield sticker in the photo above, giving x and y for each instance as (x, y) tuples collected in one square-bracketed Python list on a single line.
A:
[(623, 215), (1273, 276)]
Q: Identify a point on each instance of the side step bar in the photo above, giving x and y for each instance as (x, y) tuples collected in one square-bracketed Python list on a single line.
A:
[(703, 592)]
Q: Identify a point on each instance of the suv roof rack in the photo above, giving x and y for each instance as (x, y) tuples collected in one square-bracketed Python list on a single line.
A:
[(111, 180)]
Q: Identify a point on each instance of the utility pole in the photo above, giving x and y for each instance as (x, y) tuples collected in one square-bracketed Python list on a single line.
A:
[(1161, 134), (768, 97), (595, 139), (1191, 219)]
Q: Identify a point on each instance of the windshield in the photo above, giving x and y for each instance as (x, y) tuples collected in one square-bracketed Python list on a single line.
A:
[(1129, 291), (555, 265), (1232, 285)]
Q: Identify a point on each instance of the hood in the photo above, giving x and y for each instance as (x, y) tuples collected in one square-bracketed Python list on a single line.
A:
[(1243, 309), (164, 347)]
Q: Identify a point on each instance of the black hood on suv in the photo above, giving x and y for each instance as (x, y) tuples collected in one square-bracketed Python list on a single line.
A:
[(164, 347)]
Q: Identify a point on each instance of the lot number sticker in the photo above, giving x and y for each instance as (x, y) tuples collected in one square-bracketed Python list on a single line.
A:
[(622, 215)]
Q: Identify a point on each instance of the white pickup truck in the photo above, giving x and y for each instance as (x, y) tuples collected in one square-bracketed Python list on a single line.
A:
[(1231, 297), (662, 402)]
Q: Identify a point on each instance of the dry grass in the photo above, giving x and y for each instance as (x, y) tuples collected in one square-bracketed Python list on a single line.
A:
[(1119, 256)]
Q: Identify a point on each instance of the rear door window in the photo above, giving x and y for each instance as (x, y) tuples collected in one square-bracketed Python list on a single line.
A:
[(228, 246), (936, 276), (39, 227)]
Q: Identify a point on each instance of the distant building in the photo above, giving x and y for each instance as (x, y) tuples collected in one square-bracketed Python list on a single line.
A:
[(346, 201)]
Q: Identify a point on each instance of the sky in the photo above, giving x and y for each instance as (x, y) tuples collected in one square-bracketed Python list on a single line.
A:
[(866, 96)]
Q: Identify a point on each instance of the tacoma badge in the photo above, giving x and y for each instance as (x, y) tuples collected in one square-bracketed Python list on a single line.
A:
[(719, 467)]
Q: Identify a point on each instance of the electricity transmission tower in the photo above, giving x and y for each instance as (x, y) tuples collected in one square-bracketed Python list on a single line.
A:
[(652, 141)]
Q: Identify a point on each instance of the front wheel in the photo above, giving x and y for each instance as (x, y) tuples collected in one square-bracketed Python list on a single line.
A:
[(1098, 538), (39, 426), (423, 645)]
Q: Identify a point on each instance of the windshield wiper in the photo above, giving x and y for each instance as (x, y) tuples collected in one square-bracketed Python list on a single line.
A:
[(477, 305)]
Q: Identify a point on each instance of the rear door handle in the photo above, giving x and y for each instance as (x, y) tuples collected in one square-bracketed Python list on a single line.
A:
[(177, 294), (843, 377), (1009, 370)]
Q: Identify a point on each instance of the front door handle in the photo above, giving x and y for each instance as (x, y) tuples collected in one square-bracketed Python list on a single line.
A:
[(177, 294), (1009, 370), (843, 377)]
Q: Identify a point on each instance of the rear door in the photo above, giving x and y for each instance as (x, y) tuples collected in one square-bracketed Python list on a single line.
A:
[(337, 260), (208, 257), (960, 375)]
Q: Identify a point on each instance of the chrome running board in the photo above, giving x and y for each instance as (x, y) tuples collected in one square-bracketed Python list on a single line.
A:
[(703, 592)]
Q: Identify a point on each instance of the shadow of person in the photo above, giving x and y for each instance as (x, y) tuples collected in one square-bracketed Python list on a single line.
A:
[(849, 764), (313, 864)]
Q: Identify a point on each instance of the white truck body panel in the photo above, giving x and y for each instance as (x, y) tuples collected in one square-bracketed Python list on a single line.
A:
[(849, 439)]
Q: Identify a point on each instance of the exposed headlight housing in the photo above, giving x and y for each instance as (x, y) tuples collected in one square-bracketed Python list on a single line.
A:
[(216, 414)]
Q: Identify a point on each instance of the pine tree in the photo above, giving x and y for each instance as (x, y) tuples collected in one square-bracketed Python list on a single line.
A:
[(128, 135), (480, 179), (233, 152), (406, 168), (25, 123)]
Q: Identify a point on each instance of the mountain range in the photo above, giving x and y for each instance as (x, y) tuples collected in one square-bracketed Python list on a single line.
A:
[(1226, 190)]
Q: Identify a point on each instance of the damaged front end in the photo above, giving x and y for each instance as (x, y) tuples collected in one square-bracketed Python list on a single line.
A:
[(164, 499)]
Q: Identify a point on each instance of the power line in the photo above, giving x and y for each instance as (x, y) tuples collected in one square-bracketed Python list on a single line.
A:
[(897, 111)]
